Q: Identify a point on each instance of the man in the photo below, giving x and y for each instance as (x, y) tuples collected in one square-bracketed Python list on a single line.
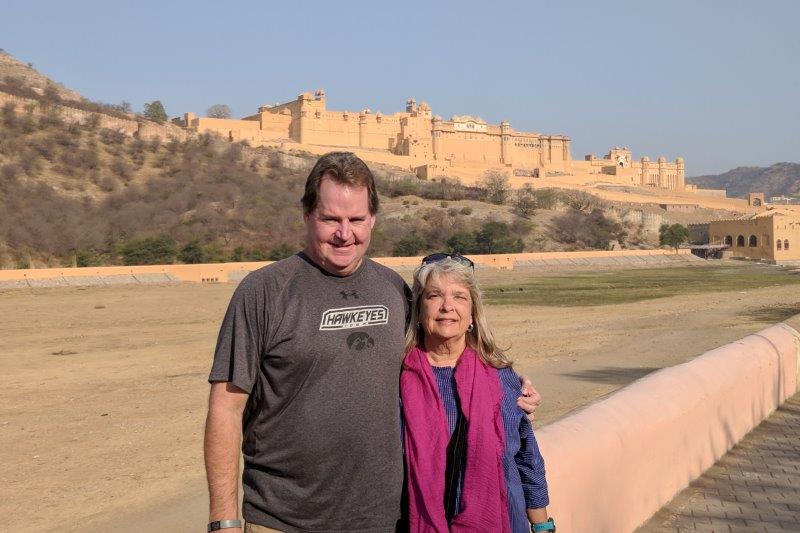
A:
[(307, 368)]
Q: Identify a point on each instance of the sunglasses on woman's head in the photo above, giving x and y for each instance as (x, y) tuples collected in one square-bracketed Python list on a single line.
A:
[(435, 258)]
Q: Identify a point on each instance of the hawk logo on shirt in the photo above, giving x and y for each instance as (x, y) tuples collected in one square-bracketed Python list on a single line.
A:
[(359, 341), (354, 317)]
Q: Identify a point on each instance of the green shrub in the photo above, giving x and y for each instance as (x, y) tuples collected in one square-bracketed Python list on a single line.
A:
[(149, 251), (191, 253), (282, 251), (409, 246), (461, 243), (496, 238), (84, 258)]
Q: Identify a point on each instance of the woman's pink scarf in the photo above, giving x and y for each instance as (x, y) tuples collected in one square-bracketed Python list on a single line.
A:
[(484, 494)]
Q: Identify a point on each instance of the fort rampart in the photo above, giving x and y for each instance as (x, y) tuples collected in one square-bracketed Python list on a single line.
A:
[(142, 129), (613, 464)]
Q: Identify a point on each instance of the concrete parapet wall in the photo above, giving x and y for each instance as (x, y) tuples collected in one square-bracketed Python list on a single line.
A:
[(216, 272), (613, 464), (224, 272), (507, 261)]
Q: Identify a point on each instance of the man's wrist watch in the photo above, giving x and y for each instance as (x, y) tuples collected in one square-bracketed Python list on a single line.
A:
[(223, 524), (550, 525)]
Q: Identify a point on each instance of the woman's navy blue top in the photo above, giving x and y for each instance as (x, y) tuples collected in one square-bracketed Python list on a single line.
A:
[(522, 462)]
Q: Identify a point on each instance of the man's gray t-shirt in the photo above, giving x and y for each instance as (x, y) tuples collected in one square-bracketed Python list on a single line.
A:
[(320, 356)]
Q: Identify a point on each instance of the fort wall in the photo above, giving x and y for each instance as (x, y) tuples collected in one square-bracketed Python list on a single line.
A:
[(463, 141), (615, 463), (144, 129)]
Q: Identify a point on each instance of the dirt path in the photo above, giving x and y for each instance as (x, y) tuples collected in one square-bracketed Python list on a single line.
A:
[(104, 392)]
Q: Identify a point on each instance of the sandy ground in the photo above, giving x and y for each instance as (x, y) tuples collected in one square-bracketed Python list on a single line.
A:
[(104, 388)]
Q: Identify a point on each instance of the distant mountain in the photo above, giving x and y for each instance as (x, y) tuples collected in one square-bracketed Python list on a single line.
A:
[(778, 180)]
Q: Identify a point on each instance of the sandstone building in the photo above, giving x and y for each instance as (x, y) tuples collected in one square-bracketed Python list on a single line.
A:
[(464, 146), (619, 162), (772, 235)]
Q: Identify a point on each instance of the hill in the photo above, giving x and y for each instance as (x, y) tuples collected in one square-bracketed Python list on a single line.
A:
[(79, 194), (780, 179), (13, 71), (75, 189)]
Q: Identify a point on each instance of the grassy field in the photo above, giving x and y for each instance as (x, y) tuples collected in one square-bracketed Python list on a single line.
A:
[(631, 285)]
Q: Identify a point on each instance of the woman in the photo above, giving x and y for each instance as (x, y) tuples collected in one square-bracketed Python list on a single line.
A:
[(472, 459)]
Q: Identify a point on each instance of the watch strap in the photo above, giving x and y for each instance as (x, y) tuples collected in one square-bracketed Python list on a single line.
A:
[(550, 525), (223, 524)]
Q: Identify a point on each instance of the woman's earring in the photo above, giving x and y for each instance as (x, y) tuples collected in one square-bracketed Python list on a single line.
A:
[(471, 327)]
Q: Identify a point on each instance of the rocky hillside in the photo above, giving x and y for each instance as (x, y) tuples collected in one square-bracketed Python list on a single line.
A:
[(14, 71), (80, 194), (78, 189), (781, 179)]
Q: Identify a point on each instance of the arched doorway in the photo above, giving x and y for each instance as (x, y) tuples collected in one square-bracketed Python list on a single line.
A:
[(753, 241), (740, 241), (728, 240)]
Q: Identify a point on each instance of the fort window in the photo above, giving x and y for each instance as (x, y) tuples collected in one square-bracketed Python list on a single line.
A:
[(753, 241), (728, 240), (785, 244), (740, 241), (779, 244)]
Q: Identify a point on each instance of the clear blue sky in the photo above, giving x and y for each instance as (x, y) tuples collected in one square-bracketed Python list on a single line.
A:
[(717, 82)]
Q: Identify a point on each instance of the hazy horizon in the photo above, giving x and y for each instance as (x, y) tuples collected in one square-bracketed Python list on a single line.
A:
[(715, 82)]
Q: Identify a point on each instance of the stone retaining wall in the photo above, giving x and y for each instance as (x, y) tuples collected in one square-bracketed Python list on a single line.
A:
[(616, 462)]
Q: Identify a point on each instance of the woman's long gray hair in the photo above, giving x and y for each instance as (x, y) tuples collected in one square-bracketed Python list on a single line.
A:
[(480, 338)]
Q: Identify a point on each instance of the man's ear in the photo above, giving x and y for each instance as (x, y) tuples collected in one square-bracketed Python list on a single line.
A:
[(372, 222)]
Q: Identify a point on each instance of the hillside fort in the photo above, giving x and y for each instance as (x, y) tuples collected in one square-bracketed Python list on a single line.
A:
[(467, 146), (463, 146)]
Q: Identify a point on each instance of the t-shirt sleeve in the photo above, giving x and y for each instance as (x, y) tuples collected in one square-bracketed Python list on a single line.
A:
[(408, 300), (241, 338)]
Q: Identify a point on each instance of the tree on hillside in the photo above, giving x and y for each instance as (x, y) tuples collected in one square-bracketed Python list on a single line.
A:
[(155, 111), (524, 202), (673, 235), (496, 184), (192, 253), (496, 238), (219, 111), (587, 230)]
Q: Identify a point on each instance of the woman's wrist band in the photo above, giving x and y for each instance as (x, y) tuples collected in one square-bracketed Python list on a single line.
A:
[(550, 525), (223, 524)]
